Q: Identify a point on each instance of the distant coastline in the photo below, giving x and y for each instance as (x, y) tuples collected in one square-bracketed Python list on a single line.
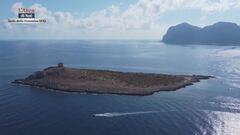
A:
[(221, 33)]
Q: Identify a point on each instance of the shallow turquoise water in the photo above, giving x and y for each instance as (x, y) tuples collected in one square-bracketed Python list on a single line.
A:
[(208, 107)]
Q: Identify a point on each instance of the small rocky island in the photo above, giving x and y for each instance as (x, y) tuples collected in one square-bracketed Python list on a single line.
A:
[(108, 82)]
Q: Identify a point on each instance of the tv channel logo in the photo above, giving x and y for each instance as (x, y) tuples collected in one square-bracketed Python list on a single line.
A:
[(26, 16), (26, 13)]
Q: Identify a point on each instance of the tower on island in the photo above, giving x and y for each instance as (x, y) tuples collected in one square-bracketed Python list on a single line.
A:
[(60, 65)]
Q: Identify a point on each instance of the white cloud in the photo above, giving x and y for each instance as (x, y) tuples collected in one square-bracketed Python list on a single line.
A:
[(205, 6), (140, 18)]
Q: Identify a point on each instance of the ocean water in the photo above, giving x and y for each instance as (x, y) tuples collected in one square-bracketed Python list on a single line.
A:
[(211, 107)]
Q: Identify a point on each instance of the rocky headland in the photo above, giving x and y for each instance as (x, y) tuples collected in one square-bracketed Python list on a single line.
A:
[(221, 33)]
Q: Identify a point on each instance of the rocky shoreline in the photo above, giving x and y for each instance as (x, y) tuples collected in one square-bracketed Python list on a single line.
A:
[(107, 82)]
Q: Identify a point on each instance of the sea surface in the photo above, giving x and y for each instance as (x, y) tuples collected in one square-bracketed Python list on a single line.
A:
[(211, 107)]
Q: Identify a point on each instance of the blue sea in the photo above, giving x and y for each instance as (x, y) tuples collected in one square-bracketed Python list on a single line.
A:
[(211, 107)]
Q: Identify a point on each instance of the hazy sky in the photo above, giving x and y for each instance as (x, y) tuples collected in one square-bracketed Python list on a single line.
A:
[(112, 19)]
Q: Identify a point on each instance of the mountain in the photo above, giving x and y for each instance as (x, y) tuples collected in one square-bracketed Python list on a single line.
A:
[(218, 33)]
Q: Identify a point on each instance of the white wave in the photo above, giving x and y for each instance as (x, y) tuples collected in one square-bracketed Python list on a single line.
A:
[(116, 114)]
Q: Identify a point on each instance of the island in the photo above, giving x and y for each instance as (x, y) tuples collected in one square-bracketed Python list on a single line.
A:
[(221, 33), (106, 82)]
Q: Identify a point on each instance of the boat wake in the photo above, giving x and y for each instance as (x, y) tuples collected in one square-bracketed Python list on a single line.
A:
[(117, 114)]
